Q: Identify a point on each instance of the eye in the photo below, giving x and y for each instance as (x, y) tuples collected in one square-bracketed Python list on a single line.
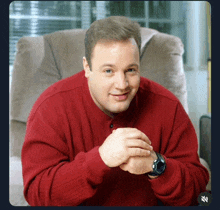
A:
[(108, 71), (131, 70)]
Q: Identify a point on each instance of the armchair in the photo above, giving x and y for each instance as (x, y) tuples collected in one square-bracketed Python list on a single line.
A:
[(42, 61), (205, 144)]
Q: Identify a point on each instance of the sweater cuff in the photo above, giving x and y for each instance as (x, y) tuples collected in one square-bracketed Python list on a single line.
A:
[(95, 165)]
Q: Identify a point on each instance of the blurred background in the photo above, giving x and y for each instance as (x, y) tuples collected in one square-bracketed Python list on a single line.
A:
[(189, 20)]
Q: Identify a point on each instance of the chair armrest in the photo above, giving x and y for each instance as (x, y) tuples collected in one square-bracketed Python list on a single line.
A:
[(16, 196), (205, 164)]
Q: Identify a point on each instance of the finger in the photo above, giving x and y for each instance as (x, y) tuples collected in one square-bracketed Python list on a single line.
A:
[(134, 152), (144, 137), (124, 167), (135, 133), (138, 143)]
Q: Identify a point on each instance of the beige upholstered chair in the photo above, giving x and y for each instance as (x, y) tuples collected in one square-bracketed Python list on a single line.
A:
[(42, 61)]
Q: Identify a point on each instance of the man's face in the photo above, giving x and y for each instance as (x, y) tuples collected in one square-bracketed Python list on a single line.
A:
[(115, 76)]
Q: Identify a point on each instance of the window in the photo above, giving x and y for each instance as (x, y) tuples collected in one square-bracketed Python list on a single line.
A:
[(165, 16)]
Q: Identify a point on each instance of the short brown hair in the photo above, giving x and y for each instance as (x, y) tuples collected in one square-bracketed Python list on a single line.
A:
[(112, 28)]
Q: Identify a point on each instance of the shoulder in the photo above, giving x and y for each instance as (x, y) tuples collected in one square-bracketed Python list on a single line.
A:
[(155, 90), (64, 85), (158, 103), (53, 96)]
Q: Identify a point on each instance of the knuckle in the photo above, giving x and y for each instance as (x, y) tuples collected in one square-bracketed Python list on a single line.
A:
[(138, 132), (119, 130), (143, 144)]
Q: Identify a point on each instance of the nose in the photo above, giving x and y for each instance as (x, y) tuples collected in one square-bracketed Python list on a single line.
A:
[(121, 81)]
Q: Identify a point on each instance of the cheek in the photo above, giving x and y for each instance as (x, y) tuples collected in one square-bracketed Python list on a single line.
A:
[(135, 82), (100, 88)]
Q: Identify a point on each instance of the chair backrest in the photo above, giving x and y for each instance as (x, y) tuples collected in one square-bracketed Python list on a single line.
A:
[(205, 138), (42, 61)]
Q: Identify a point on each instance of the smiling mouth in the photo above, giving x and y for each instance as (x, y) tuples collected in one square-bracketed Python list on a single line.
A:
[(120, 97)]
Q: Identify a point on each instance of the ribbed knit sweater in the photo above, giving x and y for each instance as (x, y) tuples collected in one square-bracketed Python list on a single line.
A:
[(62, 165)]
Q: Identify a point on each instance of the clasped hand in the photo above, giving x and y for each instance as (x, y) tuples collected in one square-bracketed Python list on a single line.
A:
[(130, 149)]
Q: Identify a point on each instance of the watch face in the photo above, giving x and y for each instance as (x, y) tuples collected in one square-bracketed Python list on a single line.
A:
[(160, 167)]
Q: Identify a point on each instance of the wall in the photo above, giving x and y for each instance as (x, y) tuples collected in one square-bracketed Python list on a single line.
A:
[(197, 90)]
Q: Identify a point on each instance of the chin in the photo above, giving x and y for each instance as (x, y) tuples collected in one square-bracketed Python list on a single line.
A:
[(120, 109)]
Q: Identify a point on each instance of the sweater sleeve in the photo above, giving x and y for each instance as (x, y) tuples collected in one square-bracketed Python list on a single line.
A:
[(50, 177), (184, 178)]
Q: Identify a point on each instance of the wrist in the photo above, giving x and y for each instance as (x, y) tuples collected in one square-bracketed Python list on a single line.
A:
[(102, 156), (158, 166), (152, 177)]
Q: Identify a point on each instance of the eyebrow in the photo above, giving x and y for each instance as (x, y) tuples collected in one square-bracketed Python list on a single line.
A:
[(133, 64), (112, 65)]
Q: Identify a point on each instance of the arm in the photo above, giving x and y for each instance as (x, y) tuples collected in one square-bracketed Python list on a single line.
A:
[(184, 178), (51, 176)]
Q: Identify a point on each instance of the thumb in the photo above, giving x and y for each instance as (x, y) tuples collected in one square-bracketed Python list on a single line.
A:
[(123, 167)]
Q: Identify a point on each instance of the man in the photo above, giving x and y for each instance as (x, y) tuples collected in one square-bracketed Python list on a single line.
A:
[(108, 137)]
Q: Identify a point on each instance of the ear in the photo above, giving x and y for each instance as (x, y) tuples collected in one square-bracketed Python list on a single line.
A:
[(86, 67)]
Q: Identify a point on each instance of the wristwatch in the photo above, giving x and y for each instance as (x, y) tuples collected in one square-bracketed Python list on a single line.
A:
[(159, 166)]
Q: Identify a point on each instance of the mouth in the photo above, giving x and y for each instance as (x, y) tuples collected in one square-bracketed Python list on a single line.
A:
[(121, 97)]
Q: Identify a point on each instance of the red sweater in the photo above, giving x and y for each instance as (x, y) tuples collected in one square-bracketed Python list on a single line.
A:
[(62, 165)]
